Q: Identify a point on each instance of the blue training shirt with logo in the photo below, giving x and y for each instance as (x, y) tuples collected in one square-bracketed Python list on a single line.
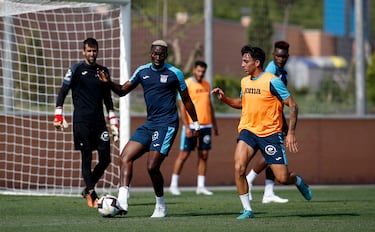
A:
[(160, 88)]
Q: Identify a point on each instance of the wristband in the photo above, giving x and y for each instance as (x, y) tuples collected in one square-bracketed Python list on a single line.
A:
[(58, 110)]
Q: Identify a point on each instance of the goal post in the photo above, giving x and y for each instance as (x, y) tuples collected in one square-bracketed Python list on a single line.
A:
[(39, 40)]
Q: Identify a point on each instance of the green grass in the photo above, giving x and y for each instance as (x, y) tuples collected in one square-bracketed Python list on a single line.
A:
[(331, 209)]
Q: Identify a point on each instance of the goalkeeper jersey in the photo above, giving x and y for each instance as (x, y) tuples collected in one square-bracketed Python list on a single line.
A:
[(88, 92)]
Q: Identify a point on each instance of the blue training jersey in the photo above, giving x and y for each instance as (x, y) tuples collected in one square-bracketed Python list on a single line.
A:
[(160, 88), (277, 71)]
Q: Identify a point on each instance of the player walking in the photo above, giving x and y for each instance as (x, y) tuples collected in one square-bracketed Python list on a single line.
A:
[(199, 91), (89, 124)]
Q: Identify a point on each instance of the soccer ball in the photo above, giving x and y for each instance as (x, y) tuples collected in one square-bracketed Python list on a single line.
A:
[(108, 206)]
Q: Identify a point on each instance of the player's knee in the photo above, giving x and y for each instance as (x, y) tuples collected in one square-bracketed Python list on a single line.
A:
[(240, 168)]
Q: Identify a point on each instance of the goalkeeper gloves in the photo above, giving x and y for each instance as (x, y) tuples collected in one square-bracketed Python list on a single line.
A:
[(59, 121), (114, 125)]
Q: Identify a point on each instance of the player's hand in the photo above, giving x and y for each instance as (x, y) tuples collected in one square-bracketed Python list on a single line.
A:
[(59, 121), (291, 142), (103, 76), (218, 92), (114, 125)]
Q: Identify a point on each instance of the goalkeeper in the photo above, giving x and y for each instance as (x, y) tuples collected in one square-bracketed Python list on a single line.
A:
[(89, 124)]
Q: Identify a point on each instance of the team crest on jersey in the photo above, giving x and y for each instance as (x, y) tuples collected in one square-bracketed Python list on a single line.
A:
[(270, 150), (163, 78)]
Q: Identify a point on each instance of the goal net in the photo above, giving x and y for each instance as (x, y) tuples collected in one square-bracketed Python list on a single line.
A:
[(39, 40)]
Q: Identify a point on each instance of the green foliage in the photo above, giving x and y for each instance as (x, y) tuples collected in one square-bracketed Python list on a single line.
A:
[(333, 209), (231, 88), (370, 81), (260, 30)]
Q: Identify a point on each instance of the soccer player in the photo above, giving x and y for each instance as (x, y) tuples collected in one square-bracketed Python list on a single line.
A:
[(276, 67), (261, 99), (199, 91), (161, 82), (89, 125)]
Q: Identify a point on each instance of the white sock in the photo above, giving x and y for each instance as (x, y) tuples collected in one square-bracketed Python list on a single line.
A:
[(268, 190), (123, 197), (201, 180), (245, 201), (160, 201), (174, 180), (251, 177), (298, 181)]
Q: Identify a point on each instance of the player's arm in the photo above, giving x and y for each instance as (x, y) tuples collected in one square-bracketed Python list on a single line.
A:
[(213, 118), (113, 121), (190, 108), (120, 90), (184, 118), (59, 121), (279, 89), (232, 102)]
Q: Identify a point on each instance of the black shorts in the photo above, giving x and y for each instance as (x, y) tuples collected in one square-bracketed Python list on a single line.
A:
[(91, 136)]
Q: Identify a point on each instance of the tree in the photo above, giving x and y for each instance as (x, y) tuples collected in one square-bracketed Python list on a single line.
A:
[(260, 30)]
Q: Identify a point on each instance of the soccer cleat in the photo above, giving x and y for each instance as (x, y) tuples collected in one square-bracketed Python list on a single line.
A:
[(159, 212), (91, 197), (273, 199), (204, 191), (174, 191), (304, 189), (246, 214)]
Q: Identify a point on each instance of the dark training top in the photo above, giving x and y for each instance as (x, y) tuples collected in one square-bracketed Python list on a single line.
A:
[(88, 92)]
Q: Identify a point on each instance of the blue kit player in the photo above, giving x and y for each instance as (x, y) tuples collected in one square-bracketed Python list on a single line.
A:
[(161, 82)]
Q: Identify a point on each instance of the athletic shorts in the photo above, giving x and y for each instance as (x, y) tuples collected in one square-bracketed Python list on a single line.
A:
[(91, 136), (160, 139), (189, 144), (272, 147)]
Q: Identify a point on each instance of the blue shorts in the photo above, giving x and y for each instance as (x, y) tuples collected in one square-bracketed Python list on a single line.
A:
[(272, 147), (160, 139), (189, 144)]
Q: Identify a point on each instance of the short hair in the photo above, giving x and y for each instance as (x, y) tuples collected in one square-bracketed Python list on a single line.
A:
[(255, 52), (282, 45), (200, 63), (91, 42), (159, 42)]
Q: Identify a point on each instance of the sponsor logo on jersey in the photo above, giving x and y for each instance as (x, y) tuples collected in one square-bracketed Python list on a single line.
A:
[(84, 73), (145, 77)]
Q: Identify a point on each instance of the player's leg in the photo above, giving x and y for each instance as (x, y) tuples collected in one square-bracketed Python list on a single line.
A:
[(104, 155), (131, 152), (159, 149), (135, 148), (186, 145), (83, 141), (242, 156), (204, 146), (269, 195), (259, 167)]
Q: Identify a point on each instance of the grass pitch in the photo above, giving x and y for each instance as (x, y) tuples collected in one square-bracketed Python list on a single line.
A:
[(331, 209)]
